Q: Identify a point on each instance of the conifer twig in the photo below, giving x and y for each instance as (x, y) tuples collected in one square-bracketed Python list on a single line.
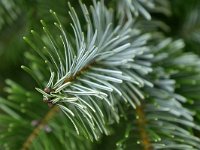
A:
[(49, 115), (141, 121)]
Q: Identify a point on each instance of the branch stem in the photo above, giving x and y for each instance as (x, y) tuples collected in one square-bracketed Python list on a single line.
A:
[(49, 115), (141, 121)]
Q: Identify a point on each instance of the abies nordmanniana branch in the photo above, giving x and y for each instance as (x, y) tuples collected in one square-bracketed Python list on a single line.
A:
[(163, 117), (87, 71), (104, 69)]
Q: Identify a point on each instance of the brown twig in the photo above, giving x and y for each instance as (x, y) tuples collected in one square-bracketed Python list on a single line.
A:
[(141, 121), (40, 126), (78, 73)]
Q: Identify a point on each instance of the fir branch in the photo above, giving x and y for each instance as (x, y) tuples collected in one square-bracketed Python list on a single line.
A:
[(79, 83), (28, 142), (165, 120)]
